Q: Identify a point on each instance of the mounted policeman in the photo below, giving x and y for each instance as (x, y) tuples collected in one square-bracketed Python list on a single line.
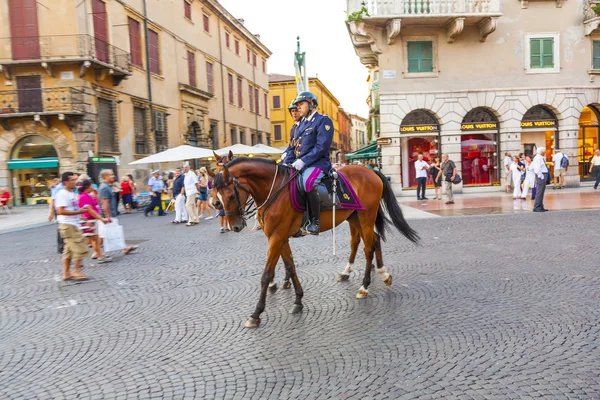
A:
[(308, 152)]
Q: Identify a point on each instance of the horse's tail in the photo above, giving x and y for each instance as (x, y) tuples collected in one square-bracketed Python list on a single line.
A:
[(389, 204)]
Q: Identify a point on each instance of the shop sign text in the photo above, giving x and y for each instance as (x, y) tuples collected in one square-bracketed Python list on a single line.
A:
[(419, 128), (538, 124), (479, 126)]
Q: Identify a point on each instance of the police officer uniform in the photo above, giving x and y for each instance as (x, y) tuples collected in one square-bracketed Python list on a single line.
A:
[(308, 152), (157, 186)]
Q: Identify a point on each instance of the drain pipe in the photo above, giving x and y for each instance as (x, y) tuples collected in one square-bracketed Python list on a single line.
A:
[(148, 74), (222, 84), (256, 98)]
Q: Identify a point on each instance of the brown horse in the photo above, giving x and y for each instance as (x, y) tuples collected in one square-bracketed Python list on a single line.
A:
[(259, 178)]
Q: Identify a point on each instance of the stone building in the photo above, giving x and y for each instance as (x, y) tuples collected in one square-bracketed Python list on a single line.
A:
[(358, 135), (124, 79), (476, 79)]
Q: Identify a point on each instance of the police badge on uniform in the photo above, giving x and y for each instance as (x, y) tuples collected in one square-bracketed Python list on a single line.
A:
[(327, 127)]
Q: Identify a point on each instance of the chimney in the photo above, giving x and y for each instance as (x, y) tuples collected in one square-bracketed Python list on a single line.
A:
[(241, 21)]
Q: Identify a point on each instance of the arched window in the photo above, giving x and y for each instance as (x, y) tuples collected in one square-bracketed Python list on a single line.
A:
[(539, 113), (33, 147), (420, 117)]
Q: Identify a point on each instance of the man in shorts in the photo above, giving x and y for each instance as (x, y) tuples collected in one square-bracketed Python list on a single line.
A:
[(75, 247)]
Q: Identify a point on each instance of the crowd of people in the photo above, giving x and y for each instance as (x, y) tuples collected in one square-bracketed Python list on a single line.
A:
[(82, 210)]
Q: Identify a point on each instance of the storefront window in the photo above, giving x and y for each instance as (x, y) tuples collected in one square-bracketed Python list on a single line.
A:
[(34, 168), (479, 159), (428, 146), (588, 140)]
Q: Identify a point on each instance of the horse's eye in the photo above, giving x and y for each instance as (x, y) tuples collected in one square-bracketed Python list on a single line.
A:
[(231, 197)]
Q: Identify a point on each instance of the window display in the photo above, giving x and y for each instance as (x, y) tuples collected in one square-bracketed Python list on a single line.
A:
[(479, 159)]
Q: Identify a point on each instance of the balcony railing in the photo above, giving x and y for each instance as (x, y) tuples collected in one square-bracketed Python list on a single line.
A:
[(15, 103), (21, 50), (425, 8)]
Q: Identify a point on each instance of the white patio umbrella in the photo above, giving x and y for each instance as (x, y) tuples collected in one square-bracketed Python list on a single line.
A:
[(179, 153), (238, 149), (264, 149)]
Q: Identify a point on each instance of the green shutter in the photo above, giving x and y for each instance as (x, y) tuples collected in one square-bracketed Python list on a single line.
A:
[(596, 54), (535, 53), (420, 56), (548, 53)]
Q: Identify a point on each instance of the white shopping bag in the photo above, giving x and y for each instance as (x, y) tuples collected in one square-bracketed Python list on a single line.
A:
[(114, 237), (101, 226)]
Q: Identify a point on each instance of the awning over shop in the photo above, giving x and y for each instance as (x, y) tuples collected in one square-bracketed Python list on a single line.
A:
[(30, 163), (366, 153)]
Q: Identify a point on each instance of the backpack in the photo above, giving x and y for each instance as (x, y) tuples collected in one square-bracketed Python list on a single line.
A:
[(564, 162)]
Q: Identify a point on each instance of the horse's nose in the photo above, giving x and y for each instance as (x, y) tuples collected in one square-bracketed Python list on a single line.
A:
[(236, 229), (218, 205)]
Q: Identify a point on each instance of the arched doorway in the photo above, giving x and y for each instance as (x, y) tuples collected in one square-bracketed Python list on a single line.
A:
[(33, 166), (420, 134), (479, 147), (539, 128), (588, 139)]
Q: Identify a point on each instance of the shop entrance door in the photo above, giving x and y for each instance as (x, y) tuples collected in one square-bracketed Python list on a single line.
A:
[(588, 143)]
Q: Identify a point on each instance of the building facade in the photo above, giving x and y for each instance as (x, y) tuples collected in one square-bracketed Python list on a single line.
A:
[(116, 78), (345, 124), (358, 135), (282, 90), (478, 79)]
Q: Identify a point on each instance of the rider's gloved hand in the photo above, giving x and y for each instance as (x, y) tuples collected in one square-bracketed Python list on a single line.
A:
[(298, 164)]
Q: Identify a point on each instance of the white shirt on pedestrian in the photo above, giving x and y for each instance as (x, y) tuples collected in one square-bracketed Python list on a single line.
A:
[(507, 162), (68, 200), (556, 159), (539, 166), (190, 183), (421, 168)]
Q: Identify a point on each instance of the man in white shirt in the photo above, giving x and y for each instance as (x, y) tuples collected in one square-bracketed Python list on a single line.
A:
[(421, 168), (507, 171), (540, 170), (190, 184), (67, 210), (559, 171)]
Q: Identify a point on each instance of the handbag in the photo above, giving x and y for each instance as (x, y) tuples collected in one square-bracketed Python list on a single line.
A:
[(114, 237), (203, 190), (457, 179)]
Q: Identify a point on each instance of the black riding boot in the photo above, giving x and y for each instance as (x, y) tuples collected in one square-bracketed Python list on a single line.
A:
[(313, 201)]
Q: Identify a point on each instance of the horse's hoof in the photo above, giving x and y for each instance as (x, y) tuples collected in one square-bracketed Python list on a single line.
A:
[(296, 308), (343, 277), (273, 288), (388, 280), (252, 322), (286, 285), (362, 293)]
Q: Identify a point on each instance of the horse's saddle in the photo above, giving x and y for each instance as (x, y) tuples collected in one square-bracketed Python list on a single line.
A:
[(346, 197)]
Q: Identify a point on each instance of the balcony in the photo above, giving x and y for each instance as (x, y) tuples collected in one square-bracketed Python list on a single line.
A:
[(368, 18), (41, 104), (47, 51), (591, 20)]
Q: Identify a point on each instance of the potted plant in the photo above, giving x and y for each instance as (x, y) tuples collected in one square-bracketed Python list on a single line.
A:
[(357, 16), (596, 9), (7, 110)]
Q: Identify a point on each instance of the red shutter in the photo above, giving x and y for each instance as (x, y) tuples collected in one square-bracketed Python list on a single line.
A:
[(192, 68), (205, 22), (227, 39), (230, 82), (256, 101), (100, 30), (209, 78), (153, 45), (264, 66), (248, 54), (250, 91), (266, 106), (254, 59), (187, 10), (237, 47), (135, 42), (24, 29), (240, 99)]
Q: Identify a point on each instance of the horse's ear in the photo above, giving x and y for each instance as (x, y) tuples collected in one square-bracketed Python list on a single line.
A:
[(217, 157), (230, 156), (210, 172), (225, 173)]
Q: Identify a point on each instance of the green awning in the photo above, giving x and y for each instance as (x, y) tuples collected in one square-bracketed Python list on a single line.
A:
[(50, 162), (366, 153)]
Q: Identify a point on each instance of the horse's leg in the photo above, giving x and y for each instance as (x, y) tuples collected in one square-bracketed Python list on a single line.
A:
[(273, 285), (354, 242), (275, 244), (286, 282), (367, 225), (383, 274), (288, 260)]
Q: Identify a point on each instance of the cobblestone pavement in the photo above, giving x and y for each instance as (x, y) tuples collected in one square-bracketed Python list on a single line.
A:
[(489, 307)]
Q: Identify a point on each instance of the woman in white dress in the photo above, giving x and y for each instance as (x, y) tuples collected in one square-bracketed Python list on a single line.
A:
[(529, 183), (516, 169)]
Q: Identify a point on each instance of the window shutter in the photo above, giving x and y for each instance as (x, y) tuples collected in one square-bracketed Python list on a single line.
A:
[(230, 82), (187, 10), (426, 57), (239, 87), (535, 53), (277, 132), (205, 22), (209, 78), (413, 49), (237, 47), (256, 101), (596, 54), (250, 91), (153, 45), (192, 68), (276, 102), (266, 105), (135, 42), (548, 52)]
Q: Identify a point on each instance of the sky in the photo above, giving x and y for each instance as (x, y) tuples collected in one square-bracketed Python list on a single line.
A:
[(323, 36)]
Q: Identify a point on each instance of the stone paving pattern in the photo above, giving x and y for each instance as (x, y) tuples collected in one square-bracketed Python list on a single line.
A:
[(489, 307)]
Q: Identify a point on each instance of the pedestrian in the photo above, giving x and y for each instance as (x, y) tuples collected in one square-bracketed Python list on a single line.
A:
[(517, 170), (559, 169), (178, 197), (157, 187), (434, 171), (57, 187), (203, 196), (421, 168), (507, 171), (541, 172), (87, 198), (448, 171), (529, 182), (134, 202), (68, 213), (190, 183), (126, 194), (108, 201), (595, 167)]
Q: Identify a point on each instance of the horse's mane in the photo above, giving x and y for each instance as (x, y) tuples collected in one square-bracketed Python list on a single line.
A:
[(239, 160)]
